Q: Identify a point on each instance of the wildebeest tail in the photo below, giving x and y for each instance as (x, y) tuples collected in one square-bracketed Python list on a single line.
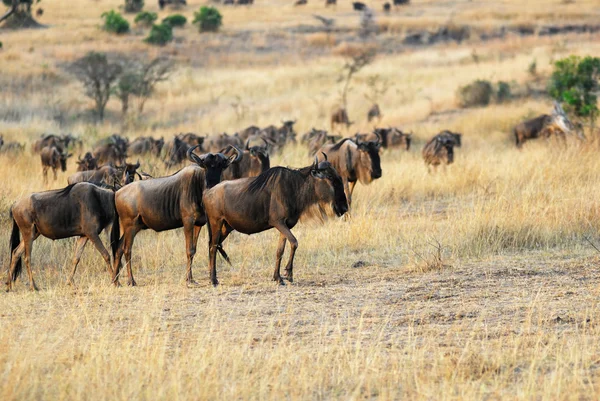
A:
[(15, 240), (115, 234), (219, 246)]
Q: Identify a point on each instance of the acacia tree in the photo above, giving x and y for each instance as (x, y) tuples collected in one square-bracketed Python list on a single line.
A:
[(19, 13), (356, 61)]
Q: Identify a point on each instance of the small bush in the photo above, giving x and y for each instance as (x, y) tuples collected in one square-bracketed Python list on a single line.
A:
[(160, 34), (0, 45), (146, 18), (208, 19), (477, 93), (176, 20), (503, 93), (114, 22), (134, 6)]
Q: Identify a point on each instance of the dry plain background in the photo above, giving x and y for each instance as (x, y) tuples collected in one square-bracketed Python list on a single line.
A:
[(510, 312)]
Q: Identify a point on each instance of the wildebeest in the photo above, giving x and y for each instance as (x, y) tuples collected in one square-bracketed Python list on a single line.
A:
[(358, 6), (276, 137), (355, 161), (254, 161), (174, 152), (163, 3), (54, 158), (108, 175), (248, 132), (12, 148), (340, 117), (401, 2), (387, 7), (545, 126), (245, 2), (167, 203), (48, 140), (82, 210), (330, 3), (215, 143), (275, 199), (192, 139), (374, 113), (393, 138), (145, 145), (440, 149), (300, 2), (88, 162), (320, 138), (109, 153)]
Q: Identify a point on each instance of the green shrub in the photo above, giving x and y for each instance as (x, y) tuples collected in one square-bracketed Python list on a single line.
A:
[(146, 18), (477, 93), (208, 19), (0, 45), (175, 20), (134, 6), (503, 93), (114, 22), (160, 34)]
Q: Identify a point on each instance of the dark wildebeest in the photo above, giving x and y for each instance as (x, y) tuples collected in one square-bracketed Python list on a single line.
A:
[(215, 143), (340, 117), (248, 132), (401, 2), (546, 126), (82, 210), (245, 2), (12, 148), (110, 153), (358, 6), (1, 142), (279, 137), (275, 199), (48, 140), (440, 149), (145, 145), (192, 139), (174, 152), (108, 175), (320, 138), (387, 7), (54, 158), (167, 203), (254, 161), (88, 162), (392, 138), (330, 3), (300, 2), (163, 3), (374, 113), (355, 161)]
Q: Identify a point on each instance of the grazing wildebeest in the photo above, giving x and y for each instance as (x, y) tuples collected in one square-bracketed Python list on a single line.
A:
[(167, 203), (387, 7), (374, 113), (340, 117), (254, 161), (54, 158), (174, 152), (275, 199), (145, 145), (546, 126), (82, 210), (439, 150), (330, 3), (358, 6), (88, 162), (355, 161), (108, 175), (393, 138)]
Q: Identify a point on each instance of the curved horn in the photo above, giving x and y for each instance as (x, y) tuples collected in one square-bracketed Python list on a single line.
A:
[(137, 165), (139, 176), (316, 163), (378, 137), (248, 144), (324, 155), (194, 157), (357, 139), (238, 155)]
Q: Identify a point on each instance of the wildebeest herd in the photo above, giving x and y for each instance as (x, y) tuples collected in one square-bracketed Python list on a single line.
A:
[(229, 186)]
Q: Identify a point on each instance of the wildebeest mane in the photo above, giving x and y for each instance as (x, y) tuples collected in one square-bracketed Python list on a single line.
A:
[(339, 144), (65, 191), (293, 178)]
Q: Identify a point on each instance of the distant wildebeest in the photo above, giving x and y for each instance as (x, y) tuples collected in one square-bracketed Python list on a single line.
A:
[(167, 203), (248, 132), (320, 138), (358, 6), (245, 2), (545, 126), (214, 143), (401, 2), (109, 153), (48, 140), (330, 3), (192, 139), (374, 113), (82, 210), (54, 158), (228, 2), (108, 175), (174, 152), (440, 149), (278, 137), (277, 198), (12, 148), (387, 7), (163, 3), (88, 162), (145, 145), (254, 161), (340, 117), (355, 161), (300, 2), (393, 138)]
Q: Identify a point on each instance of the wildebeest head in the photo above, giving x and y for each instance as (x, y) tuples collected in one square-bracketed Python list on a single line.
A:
[(157, 146), (445, 142), (259, 156), (370, 159), (328, 185), (129, 172), (88, 162), (214, 163), (63, 160)]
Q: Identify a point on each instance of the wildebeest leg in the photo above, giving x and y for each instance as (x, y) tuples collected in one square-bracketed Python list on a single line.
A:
[(289, 269), (54, 172), (79, 247), (17, 253), (191, 233), (127, 245), (351, 188), (29, 238), (45, 174), (215, 240), (347, 192), (95, 239), (280, 251)]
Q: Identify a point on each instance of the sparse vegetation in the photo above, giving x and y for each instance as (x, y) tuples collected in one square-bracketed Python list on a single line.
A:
[(208, 19), (477, 93), (146, 18), (160, 34), (175, 20), (115, 23)]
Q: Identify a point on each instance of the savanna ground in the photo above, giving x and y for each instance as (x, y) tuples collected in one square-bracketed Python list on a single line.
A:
[(478, 282)]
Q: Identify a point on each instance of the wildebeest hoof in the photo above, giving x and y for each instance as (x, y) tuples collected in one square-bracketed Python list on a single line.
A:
[(34, 287), (289, 278), (131, 283), (215, 283), (192, 283), (117, 283)]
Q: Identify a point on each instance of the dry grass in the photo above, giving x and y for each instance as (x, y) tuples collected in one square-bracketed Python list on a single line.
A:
[(474, 283)]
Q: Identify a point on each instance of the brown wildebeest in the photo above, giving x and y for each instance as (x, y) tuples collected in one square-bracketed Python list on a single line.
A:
[(82, 210), (215, 143), (47, 140), (401, 2), (300, 2), (393, 138), (248, 132), (12, 148), (167, 203), (355, 161), (279, 137), (174, 152), (374, 113), (320, 138), (1, 141), (109, 153), (146, 145), (192, 139), (340, 117), (358, 6), (546, 126), (54, 158), (330, 3), (387, 7), (108, 175), (275, 199), (254, 161), (163, 3), (88, 162), (440, 150)]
